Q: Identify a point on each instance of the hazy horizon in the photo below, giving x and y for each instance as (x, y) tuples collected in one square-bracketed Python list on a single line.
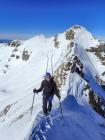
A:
[(5, 36)]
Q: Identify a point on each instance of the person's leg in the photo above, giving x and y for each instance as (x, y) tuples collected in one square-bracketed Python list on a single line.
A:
[(44, 104), (50, 98)]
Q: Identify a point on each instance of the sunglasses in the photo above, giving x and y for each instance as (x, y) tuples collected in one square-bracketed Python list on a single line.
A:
[(46, 77)]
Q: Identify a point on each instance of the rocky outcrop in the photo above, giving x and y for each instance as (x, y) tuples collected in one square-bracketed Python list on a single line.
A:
[(14, 43), (99, 51), (97, 103), (5, 110), (56, 42), (25, 55), (70, 34)]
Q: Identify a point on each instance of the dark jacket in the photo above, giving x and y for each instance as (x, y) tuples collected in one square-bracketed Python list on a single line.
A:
[(49, 88)]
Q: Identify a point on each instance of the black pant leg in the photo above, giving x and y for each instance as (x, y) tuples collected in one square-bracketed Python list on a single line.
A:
[(44, 104), (49, 107), (50, 98)]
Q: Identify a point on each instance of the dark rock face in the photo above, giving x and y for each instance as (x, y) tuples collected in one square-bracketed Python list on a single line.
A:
[(56, 42), (25, 55), (103, 86), (14, 43), (5, 110), (99, 51), (103, 74), (97, 103), (70, 34)]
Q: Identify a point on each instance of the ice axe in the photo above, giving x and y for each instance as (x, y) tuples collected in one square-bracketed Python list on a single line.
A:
[(32, 104)]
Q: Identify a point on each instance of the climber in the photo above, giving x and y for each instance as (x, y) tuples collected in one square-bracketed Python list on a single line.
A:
[(49, 88)]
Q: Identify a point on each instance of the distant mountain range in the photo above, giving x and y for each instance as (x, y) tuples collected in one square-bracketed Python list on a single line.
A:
[(4, 40)]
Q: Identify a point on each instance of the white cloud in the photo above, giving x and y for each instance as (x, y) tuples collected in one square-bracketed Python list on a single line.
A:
[(15, 36), (102, 38)]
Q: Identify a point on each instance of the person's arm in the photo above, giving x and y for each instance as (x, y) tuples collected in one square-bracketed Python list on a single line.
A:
[(40, 89)]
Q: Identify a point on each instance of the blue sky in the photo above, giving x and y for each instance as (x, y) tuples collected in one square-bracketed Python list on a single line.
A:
[(26, 18)]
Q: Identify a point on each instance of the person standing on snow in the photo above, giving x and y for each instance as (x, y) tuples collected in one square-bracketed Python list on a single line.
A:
[(49, 88)]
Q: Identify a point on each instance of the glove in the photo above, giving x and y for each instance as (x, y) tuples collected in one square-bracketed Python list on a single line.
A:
[(35, 91), (59, 97), (58, 90)]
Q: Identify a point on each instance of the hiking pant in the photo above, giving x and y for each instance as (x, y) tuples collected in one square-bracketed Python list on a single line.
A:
[(47, 103)]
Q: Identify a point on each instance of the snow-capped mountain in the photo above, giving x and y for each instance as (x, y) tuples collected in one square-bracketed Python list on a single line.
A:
[(22, 66)]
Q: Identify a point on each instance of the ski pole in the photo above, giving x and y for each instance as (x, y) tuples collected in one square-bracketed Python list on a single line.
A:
[(52, 63), (47, 63), (32, 104), (61, 109)]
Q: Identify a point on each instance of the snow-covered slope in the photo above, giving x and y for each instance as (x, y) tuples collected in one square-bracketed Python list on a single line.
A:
[(22, 68), (79, 123)]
